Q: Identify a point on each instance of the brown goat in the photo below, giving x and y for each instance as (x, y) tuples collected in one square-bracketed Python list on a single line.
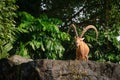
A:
[(82, 49)]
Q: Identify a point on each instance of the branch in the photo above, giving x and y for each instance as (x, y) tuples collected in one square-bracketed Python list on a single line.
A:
[(70, 18), (73, 16), (87, 21)]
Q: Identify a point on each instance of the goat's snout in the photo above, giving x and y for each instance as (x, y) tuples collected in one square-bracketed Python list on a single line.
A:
[(77, 44)]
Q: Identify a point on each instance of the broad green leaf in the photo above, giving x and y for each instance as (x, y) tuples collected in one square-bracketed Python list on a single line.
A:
[(8, 47)]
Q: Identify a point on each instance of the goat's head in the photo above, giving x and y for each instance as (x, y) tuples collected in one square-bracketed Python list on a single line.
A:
[(78, 41)]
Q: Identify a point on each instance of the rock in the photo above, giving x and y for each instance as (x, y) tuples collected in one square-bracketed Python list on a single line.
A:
[(44, 69), (16, 59)]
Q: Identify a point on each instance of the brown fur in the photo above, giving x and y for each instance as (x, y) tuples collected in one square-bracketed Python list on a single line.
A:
[(82, 49)]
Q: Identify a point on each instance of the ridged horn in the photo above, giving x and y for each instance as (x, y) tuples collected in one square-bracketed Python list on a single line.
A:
[(72, 25), (87, 28)]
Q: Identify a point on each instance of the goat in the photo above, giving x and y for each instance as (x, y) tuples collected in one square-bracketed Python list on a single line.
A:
[(82, 49)]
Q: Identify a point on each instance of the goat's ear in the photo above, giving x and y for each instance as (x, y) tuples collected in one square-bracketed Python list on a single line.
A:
[(82, 38), (75, 37)]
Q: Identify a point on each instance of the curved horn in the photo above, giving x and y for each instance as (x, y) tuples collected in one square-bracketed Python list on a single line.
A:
[(89, 27), (72, 25)]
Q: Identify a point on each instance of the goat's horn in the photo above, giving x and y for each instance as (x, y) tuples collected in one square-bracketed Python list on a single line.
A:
[(72, 25), (87, 28)]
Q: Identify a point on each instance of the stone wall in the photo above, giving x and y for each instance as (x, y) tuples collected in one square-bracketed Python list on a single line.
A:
[(43, 69)]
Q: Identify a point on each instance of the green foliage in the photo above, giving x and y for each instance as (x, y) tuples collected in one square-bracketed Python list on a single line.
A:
[(4, 48), (107, 21), (107, 47), (23, 51), (40, 37), (7, 26)]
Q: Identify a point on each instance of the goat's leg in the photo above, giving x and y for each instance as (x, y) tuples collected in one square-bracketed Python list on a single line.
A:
[(86, 57), (77, 56)]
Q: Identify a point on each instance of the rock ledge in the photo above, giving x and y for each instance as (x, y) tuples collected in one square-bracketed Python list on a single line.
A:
[(44, 69)]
